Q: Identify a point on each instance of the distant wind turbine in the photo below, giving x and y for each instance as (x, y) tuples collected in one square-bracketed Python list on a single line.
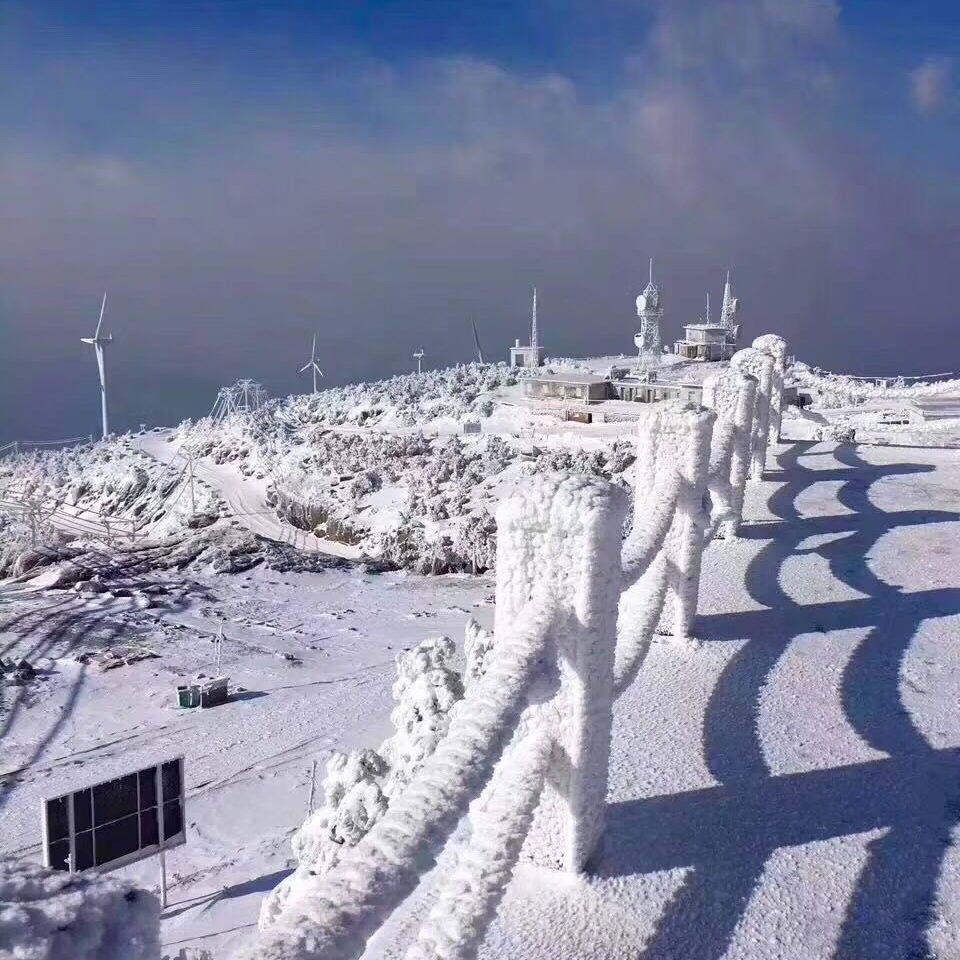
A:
[(98, 343), (418, 356), (312, 364)]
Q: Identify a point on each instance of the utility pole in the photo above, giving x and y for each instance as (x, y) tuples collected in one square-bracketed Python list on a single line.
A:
[(219, 648)]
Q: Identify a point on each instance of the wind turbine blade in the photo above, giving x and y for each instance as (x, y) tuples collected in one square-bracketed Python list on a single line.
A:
[(305, 367), (313, 349), (103, 307), (317, 368)]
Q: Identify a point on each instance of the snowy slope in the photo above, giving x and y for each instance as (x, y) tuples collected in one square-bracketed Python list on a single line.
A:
[(245, 497), (782, 789)]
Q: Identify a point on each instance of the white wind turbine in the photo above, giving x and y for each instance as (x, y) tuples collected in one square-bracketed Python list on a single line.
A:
[(98, 343), (312, 364)]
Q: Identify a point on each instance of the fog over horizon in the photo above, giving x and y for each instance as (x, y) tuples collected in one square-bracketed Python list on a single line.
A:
[(237, 190)]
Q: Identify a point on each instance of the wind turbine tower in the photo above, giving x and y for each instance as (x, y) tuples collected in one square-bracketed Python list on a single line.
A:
[(98, 343), (418, 356), (312, 364)]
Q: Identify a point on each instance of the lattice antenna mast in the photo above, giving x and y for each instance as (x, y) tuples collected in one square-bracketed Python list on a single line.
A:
[(534, 340)]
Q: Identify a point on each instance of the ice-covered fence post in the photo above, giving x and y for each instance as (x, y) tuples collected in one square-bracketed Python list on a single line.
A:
[(732, 396), (776, 347), (677, 441), (757, 364), (560, 537)]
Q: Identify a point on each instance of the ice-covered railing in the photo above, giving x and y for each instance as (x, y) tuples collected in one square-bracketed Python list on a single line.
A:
[(527, 749), (842, 390)]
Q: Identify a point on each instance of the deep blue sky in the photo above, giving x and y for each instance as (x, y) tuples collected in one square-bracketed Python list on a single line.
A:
[(239, 174)]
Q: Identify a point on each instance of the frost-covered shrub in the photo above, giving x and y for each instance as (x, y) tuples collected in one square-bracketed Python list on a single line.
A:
[(354, 801), (358, 786), (477, 644), (50, 915), (426, 690), (606, 462), (403, 400)]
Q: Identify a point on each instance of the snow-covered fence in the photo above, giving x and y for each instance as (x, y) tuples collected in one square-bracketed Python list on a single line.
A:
[(841, 390), (775, 347), (80, 521), (15, 447), (527, 749), (760, 365), (733, 396)]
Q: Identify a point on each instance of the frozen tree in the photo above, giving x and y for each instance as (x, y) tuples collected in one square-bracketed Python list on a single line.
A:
[(426, 690), (477, 644)]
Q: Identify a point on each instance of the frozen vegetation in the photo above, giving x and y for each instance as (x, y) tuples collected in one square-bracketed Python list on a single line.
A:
[(401, 401), (398, 490), (54, 916)]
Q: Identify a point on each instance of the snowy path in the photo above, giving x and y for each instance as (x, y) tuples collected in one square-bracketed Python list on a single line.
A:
[(246, 498)]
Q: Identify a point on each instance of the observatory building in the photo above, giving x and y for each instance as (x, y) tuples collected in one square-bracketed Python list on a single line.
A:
[(712, 341)]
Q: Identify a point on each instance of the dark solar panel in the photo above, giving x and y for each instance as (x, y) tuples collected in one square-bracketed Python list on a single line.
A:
[(118, 820)]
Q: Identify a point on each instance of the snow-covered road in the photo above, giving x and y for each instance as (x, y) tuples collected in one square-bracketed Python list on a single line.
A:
[(245, 497)]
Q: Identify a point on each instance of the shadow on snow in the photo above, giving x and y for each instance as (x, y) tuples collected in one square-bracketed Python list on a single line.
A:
[(727, 833)]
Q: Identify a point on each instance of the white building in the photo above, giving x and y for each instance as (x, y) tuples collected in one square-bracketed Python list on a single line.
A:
[(712, 341)]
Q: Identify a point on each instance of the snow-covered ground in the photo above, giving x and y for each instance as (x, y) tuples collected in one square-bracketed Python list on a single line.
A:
[(785, 787)]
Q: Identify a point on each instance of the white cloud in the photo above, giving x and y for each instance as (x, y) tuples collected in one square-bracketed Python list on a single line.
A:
[(929, 83), (749, 34)]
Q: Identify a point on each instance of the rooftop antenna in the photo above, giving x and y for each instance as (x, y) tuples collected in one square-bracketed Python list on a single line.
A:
[(476, 340), (98, 344), (418, 356), (651, 270), (312, 364), (533, 321), (708, 308)]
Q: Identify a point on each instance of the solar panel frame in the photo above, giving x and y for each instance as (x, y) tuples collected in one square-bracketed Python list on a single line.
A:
[(88, 840)]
